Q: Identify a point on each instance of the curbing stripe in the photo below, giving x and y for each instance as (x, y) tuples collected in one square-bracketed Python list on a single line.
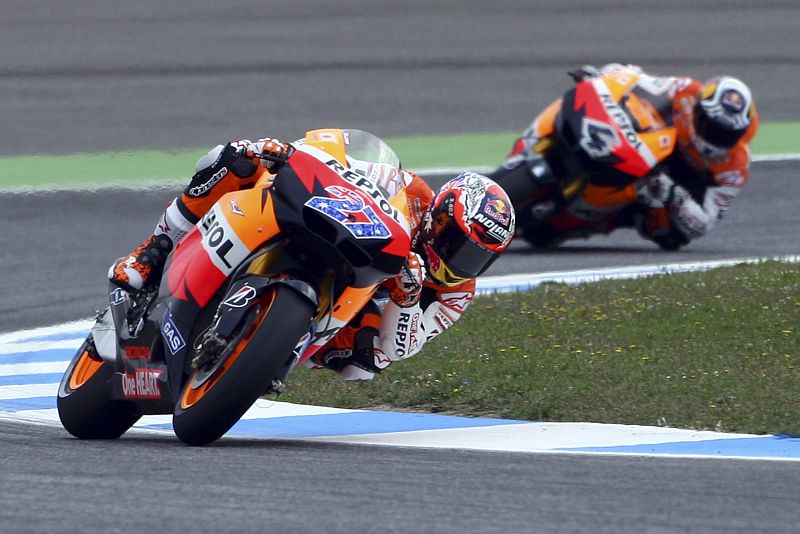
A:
[(33, 401)]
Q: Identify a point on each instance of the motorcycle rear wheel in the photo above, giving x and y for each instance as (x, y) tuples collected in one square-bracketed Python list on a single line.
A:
[(206, 412), (84, 401)]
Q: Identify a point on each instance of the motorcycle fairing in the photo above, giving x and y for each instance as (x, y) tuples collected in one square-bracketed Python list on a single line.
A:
[(606, 128), (371, 258), (228, 233), (316, 170), (233, 228), (138, 355), (192, 275)]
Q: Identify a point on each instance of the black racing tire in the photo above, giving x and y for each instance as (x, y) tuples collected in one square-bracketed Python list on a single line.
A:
[(541, 236), (519, 185), (671, 240), (206, 413), (84, 401)]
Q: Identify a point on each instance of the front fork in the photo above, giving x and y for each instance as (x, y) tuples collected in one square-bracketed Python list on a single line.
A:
[(239, 303)]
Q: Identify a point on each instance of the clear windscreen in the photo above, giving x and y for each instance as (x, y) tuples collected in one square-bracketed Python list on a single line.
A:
[(364, 146), (369, 156)]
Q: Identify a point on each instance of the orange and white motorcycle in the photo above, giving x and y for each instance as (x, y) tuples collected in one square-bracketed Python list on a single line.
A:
[(581, 166), (266, 278)]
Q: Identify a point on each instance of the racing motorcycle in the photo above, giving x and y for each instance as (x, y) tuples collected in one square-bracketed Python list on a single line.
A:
[(265, 279), (593, 150)]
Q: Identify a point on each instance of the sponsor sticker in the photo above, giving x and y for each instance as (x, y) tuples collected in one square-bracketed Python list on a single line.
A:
[(118, 296), (347, 208), (137, 352), (235, 209), (457, 301), (598, 139), (173, 336), (224, 247), (203, 188), (497, 210), (242, 297), (494, 229), (732, 100), (142, 384)]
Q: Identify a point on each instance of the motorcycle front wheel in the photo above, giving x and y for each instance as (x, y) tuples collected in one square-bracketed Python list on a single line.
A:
[(84, 401), (208, 408)]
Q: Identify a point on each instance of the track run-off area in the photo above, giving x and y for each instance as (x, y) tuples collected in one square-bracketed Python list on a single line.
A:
[(31, 359), (31, 363)]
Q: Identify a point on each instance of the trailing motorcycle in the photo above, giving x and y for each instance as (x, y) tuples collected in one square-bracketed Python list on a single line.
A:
[(585, 160), (266, 278)]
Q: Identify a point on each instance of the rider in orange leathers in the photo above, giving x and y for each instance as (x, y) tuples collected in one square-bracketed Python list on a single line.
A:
[(714, 123), (456, 235)]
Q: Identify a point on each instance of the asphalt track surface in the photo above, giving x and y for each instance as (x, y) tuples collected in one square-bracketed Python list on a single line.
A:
[(88, 76)]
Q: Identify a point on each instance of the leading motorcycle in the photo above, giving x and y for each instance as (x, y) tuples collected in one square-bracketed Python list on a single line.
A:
[(266, 278), (590, 155)]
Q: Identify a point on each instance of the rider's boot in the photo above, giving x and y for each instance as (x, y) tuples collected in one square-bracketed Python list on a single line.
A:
[(141, 270), (353, 352)]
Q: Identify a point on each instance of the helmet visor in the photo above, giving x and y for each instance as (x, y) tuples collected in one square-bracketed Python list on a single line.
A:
[(713, 132), (462, 257)]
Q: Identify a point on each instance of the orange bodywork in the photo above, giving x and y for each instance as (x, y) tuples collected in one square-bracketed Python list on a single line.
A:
[(654, 130), (545, 121), (241, 207), (85, 368), (329, 140), (608, 198), (246, 221)]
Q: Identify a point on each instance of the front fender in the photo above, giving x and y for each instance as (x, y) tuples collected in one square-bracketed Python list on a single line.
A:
[(246, 290)]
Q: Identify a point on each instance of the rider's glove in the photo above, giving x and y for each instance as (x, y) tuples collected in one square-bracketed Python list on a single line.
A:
[(662, 192), (274, 154), (408, 284), (654, 224), (586, 71), (658, 191)]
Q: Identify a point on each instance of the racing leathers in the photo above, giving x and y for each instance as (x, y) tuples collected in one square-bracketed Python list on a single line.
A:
[(697, 181), (417, 310), (225, 168), (409, 310)]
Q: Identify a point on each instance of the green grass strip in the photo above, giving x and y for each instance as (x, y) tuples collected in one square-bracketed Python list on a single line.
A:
[(144, 167), (712, 350)]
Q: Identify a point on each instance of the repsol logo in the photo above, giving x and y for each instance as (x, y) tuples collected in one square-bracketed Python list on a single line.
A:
[(401, 335), (367, 185), (621, 118), (214, 233)]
